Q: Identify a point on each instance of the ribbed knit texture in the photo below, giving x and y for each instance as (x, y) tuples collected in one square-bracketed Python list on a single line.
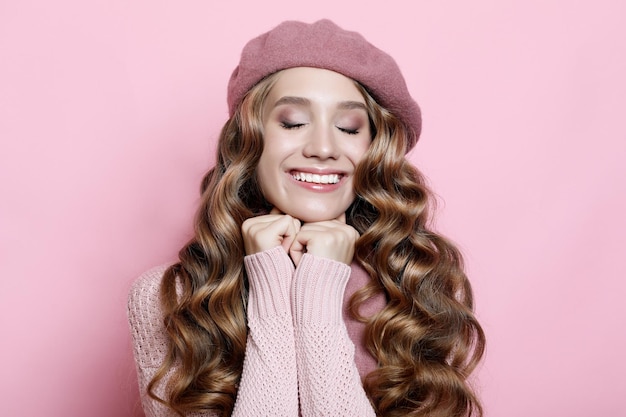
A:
[(307, 355), (269, 274)]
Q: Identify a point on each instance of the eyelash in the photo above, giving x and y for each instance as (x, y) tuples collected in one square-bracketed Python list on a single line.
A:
[(291, 126), (348, 131)]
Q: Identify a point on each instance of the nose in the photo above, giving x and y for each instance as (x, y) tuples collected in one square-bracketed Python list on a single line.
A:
[(321, 143)]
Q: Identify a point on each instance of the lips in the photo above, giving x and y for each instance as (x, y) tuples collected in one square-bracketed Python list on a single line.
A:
[(316, 178)]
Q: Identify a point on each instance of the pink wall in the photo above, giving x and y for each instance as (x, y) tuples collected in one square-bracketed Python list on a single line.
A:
[(108, 111)]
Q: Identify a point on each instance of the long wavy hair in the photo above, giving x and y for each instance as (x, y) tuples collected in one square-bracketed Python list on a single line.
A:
[(426, 339)]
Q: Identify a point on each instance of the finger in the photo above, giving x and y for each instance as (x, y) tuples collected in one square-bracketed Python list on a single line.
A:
[(297, 225), (296, 250), (292, 227), (266, 232), (253, 222), (329, 239)]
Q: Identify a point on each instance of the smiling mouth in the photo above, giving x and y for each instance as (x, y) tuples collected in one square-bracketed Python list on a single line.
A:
[(316, 178)]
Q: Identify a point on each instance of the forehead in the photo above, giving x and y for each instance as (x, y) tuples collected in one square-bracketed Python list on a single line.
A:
[(315, 85)]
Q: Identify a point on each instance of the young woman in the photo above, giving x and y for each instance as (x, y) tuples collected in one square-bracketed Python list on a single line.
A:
[(313, 285)]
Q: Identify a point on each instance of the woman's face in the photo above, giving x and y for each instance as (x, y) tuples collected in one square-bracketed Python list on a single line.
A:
[(316, 130)]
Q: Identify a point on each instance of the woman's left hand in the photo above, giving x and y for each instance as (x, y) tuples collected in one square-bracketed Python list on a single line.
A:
[(332, 239)]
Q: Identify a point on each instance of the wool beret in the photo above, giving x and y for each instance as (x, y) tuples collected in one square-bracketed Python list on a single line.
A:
[(325, 45)]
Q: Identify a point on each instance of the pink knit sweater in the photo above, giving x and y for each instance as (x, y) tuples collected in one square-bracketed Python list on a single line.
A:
[(304, 353)]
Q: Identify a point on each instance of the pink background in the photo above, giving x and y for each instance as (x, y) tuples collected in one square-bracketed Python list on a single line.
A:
[(108, 114)]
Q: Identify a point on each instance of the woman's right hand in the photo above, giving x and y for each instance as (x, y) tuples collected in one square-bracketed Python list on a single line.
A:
[(268, 231)]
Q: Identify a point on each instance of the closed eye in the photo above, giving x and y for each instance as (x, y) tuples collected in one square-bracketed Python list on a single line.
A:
[(289, 126), (348, 131)]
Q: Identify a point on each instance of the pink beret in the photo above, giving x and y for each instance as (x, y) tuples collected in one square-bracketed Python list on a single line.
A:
[(325, 45)]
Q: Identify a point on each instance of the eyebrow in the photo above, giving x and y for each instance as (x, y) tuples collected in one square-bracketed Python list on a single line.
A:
[(301, 101)]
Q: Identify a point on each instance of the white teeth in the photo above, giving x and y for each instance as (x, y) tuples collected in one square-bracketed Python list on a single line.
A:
[(316, 178)]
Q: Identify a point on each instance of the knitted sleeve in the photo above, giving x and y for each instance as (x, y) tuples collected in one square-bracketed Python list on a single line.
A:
[(329, 382), (269, 384)]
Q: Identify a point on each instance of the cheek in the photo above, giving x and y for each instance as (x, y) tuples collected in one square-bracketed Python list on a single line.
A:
[(269, 166), (358, 150), (263, 171), (276, 149)]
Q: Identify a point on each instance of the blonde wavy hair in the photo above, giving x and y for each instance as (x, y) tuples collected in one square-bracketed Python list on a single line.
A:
[(426, 339)]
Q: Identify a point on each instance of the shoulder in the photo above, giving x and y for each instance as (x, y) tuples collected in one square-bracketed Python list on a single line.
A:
[(147, 286), (144, 294)]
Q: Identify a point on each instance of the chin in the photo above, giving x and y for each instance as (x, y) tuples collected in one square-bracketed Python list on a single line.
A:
[(312, 216)]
